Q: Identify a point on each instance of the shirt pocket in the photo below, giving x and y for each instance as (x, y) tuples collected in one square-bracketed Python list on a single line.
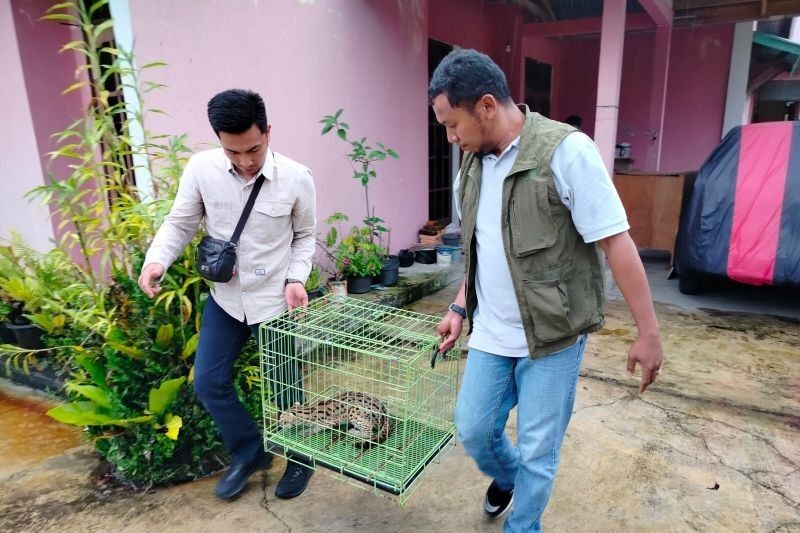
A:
[(532, 226), (270, 219), (548, 302)]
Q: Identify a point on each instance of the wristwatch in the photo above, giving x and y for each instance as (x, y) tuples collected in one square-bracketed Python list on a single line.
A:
[(458, 310), (291, 280)]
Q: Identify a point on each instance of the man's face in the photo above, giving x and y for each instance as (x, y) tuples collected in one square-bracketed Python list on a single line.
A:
[(465, 127), (247, 150)]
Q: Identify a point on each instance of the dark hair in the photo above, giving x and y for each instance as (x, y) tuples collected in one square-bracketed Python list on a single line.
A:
[(236, 110), (465, 76), (574, 120)]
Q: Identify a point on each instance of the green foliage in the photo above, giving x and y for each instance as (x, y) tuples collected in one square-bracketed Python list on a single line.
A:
[(362, 158), (357, 256), (129, 358), (315, 279), (331, 243), (5, 311)]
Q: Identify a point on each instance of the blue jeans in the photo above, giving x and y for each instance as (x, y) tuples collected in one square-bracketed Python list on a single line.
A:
[(543, 390), (222, 338)]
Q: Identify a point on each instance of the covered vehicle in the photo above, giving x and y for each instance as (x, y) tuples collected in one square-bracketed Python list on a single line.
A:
[(741, 218)]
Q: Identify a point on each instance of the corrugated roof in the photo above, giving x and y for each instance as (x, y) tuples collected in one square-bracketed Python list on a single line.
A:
[(576, 9)]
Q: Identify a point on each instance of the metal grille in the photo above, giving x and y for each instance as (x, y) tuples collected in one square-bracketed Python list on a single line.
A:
[(338, 345)]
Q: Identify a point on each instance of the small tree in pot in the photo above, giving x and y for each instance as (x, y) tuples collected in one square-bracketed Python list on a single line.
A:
[(362, 158)]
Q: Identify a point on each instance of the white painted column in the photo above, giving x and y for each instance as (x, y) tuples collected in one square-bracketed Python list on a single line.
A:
[(736, 100), (612, 39), (123, 34)]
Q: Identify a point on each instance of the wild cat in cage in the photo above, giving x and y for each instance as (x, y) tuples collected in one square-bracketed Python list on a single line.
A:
[(364, 414)]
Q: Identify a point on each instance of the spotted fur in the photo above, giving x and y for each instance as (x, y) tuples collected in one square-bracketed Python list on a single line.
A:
[(364, 414)]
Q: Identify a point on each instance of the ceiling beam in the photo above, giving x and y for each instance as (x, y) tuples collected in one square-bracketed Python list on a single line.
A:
[(766, 74), (532, 8), (549, 8), (659, 10), (712, 11), (584, 26)]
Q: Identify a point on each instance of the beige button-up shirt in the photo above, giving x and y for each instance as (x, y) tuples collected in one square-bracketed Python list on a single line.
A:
[(277, 242)]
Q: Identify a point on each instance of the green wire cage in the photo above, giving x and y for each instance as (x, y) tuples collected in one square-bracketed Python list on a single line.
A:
[(360, 389)]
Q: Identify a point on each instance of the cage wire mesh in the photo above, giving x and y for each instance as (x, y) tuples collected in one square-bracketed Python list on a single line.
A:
[(358, 388)]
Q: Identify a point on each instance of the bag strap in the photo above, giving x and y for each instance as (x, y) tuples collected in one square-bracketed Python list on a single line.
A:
[(247, 208)]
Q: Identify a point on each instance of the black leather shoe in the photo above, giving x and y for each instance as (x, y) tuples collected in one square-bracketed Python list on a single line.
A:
[(294, 480), (235, 478)]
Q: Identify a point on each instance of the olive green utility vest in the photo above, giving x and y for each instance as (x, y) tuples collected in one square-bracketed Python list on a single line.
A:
[(558, 279)]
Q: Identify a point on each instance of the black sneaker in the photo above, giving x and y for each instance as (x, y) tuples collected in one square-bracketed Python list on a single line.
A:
[(235, 478), (497, 501), (294, 480)]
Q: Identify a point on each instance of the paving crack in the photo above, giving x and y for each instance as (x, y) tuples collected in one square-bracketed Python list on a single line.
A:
[(790, 418), (786, 526), (628, 396), (265, 501), (738, 429), (751, 475)]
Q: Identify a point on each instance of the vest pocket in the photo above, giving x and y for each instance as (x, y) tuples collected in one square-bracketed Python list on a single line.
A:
[(548, 303), (532, 226)]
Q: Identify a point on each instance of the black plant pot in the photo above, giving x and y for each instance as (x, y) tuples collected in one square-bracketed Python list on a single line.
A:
[(313, 295), (29, 336), (6, 335), (391, 268), (426, 256), (359, 285), (405, 258)]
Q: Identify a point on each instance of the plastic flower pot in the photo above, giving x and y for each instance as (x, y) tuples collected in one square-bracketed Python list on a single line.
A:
[(359, 285)]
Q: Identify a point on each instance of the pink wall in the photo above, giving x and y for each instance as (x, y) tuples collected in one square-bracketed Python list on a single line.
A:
[(19, 151), (307, 59), (47, 73), (696, 89), (696, 92), (575, 80), (485, 27), (635, 91)]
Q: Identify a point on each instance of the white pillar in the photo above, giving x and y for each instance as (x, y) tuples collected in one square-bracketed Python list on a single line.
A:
[(123, 34), (612, 39), (736, 100)]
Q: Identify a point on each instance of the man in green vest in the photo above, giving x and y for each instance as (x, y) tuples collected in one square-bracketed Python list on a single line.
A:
[(536, 207)]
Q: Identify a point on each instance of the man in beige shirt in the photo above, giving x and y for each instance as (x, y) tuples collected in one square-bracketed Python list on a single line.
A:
[(273, 262)]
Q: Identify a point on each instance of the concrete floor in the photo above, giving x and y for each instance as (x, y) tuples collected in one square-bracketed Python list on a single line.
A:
[(714, 445)]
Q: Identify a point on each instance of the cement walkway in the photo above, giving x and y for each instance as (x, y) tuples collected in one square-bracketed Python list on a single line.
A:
[(713, 446)]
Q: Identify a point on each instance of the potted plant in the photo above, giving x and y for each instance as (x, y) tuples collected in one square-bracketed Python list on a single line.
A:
[(362, 157), (390, 263), (336, 282), (315, 282), (23, 294), (6, 335), (359, 259), (7, 267)]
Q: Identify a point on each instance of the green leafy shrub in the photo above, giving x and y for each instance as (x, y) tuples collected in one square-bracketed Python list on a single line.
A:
[(129, 359), (357, 256)]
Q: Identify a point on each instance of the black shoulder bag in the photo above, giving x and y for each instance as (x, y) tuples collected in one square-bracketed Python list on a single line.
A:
[(216, 258)]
